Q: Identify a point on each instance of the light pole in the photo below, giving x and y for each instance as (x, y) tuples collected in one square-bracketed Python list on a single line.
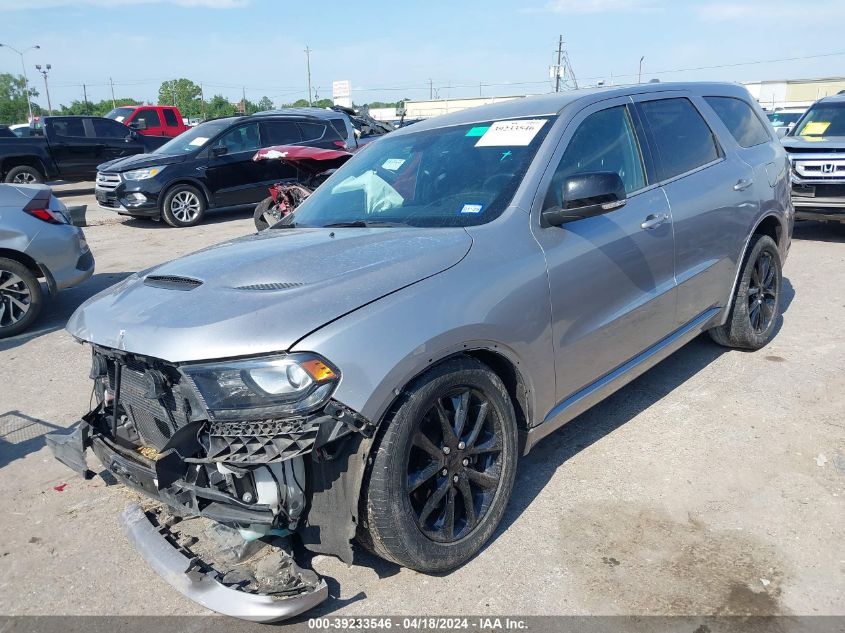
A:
[(25, 80), (640, 73), (45, 71)]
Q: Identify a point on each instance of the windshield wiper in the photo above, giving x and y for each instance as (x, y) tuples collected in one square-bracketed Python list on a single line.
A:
[(360, 224)]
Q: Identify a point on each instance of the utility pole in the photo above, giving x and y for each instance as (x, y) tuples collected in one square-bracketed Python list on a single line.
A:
[(111, 83), (25, 80), (243, 99), (308, 63), (45, 71), (640, 73), (202, 101), (558, 67), (85, 97)]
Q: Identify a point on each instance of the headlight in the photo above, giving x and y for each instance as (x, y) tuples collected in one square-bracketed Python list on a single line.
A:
[(260, 388), (142, 174)]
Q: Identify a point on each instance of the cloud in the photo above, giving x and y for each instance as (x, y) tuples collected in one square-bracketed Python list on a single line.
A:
[(17, 5), (600, 6), (772, 10)]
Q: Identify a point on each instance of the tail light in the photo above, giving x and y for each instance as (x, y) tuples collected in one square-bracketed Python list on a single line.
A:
[(340, 144), (47, 215)]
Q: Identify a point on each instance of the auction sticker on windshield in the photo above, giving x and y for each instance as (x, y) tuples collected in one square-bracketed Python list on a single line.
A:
[(199, 140), (393, 163), (511, 133)]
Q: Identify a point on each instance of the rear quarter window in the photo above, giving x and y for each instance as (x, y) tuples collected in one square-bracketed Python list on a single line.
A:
[(683, 139), (740, 119)]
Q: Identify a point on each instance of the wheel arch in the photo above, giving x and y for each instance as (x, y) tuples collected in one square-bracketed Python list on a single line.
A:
[(772, 225), (25, 260), (198, 184), (11, 162)]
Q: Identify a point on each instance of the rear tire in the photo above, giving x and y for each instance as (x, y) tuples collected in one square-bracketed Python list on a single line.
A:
[(435, 496), (184, 205), (756, 305), (21, 297), (24, 175)]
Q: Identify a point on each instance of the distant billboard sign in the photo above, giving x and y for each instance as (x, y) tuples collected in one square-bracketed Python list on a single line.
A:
[(342, 93)]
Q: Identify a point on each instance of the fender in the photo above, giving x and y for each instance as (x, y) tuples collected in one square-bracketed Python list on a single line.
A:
[(189, 180), (781, 242)]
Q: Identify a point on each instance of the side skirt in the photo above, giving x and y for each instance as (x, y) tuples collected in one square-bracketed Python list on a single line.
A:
[(594, 393)]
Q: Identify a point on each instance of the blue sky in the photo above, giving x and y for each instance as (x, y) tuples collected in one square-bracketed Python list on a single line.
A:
[(390, 50)]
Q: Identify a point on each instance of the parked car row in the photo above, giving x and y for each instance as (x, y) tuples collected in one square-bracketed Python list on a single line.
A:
[(210, 165), (370, 368), (69, 147)]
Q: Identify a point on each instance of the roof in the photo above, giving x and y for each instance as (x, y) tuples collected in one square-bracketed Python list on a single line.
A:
[(833, 99), (316, 113), (555, 102)]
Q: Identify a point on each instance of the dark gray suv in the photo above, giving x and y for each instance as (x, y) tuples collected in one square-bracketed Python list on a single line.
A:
[(370, 368)]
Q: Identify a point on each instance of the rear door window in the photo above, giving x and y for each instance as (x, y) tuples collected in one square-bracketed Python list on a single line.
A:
[(312, 131), (683, 139), (170, 118), (740, 119), (280, 133), (69, 127)]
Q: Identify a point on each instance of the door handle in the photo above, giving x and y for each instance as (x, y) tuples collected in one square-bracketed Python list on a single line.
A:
[(743, 184), (653, 221)]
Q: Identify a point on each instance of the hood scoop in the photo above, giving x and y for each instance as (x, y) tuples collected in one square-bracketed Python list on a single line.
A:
[(279, 285), (171, 282)]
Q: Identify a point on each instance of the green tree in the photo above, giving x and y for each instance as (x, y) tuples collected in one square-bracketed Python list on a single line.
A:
[(219, 106), (303, 103), (100, 108), (184, 94), (13, 105), (265, 103)]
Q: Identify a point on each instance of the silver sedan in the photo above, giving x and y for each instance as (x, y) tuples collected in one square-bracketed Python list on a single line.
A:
[(37, 242)]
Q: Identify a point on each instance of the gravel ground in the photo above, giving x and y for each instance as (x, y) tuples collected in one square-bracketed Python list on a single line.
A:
[(711, 485)]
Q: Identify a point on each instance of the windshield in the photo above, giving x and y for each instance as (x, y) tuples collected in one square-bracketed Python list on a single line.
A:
[(783, 119), (193, 139), (456, 176), (120, 114), (825, 119)]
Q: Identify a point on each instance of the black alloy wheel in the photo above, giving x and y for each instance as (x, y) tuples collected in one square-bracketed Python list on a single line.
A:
[(762, 292), (455, 464), (443, 468)]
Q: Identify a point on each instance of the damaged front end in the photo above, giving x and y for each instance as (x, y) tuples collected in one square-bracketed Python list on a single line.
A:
[(254, 444)]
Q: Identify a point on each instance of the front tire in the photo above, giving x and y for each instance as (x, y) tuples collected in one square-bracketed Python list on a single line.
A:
[(184, 205), (756, 306), (260, 209), (24, 175), (21, 297), (444, 469)]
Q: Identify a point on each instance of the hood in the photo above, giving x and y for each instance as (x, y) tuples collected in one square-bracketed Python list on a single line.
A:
[(261, 293), (139, 161), (810, 143)]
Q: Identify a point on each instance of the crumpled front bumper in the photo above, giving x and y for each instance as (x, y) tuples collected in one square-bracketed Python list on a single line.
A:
[(180, 569)]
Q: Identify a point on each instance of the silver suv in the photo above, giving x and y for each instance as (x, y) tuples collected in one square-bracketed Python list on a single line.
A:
[(370, 368)]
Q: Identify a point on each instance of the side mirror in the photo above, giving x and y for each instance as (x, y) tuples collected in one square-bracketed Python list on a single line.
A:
[(219, 150), (132, 136), (587, 195), (138, 125), (783, 131)]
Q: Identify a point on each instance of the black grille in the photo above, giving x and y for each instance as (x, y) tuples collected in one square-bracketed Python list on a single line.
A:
[(156, 419), (171, 282), (261, 442)]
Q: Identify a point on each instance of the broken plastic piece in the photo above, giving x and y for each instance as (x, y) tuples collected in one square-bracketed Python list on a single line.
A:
[(300, 590)]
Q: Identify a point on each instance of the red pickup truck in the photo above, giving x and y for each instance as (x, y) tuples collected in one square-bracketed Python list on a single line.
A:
[(150, 120)]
